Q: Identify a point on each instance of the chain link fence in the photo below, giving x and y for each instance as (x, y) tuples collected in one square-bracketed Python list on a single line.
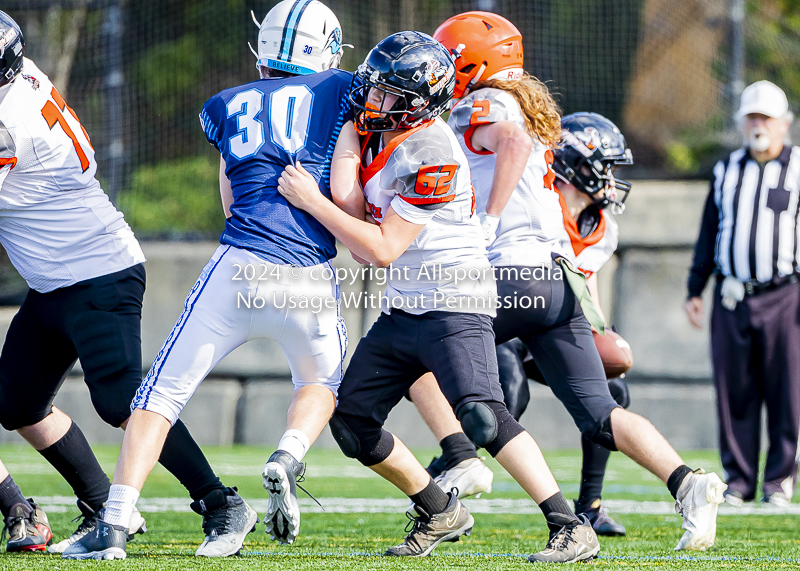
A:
[(138, 72)]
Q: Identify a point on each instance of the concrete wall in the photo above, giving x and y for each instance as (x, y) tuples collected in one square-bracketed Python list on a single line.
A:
[(642, 289)]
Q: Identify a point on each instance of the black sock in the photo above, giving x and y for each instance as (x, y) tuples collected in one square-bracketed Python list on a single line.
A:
[(73, 458), (456, 448), (676, 478), (557, 512), (182, 457), (593, 470), (11, 495), (432, 499)]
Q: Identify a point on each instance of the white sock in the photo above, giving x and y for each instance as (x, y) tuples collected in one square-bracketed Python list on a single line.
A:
[(295, 442), (120, 504)]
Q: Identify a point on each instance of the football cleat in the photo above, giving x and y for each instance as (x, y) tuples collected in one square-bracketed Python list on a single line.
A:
[(88, 519), (470, 477), (105, 541), (574, 541), (602, 523), (776, 500), (227, 519), (733, 498), (427, 531), (280, 476), (699, 497), (27, 533)]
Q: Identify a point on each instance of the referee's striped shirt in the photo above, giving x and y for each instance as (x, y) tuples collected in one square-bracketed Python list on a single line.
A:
[(750, 223)]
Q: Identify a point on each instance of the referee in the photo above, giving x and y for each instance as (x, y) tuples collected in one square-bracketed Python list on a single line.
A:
[(749, 239)]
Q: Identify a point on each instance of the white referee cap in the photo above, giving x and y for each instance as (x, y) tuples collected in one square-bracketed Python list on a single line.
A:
[(763, 97)]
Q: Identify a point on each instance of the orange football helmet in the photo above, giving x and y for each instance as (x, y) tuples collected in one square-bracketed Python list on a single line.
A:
[(485, 45)]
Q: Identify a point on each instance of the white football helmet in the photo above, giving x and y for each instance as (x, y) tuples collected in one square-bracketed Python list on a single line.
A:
[(299, 37)]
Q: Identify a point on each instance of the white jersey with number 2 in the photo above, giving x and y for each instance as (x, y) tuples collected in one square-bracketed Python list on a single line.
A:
[(56, 223)]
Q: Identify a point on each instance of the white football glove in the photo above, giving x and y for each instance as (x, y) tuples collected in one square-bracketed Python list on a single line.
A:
[(489, 224)]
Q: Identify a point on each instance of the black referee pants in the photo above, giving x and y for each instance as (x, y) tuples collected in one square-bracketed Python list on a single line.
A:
[(756, 356)]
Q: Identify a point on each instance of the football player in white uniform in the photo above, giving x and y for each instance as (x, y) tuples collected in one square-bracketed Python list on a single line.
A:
[(439, 301), (86, 274), (522, 217)]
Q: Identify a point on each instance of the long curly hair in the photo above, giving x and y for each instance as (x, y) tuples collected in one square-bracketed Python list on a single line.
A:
[(542, 114)]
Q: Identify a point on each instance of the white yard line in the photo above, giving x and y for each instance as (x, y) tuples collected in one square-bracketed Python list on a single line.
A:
[(60, 504)]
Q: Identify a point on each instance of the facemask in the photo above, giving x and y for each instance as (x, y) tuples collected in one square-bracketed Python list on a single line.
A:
[(759, 139)]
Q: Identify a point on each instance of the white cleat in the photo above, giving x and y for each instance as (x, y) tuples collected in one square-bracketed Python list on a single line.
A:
[(283, 512), (471, 477), (699, 497)]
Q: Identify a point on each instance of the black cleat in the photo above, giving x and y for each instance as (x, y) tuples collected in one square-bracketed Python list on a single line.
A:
[(27, 532), (88, 521), (602, 523), (574, 541), (105, 542), (429, 531)]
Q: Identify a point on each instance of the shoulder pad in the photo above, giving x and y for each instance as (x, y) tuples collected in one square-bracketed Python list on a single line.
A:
[(423, 168), (483, 106)]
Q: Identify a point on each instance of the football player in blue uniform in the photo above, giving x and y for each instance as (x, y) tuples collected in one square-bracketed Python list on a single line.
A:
[(271, 276)]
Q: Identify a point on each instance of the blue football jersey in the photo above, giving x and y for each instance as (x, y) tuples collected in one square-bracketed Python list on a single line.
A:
[(261, 127)]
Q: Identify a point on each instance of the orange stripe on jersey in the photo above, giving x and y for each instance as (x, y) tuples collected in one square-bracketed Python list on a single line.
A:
[(468, 140), (550, 177), (12, 161), (366, 173), (580, 244), (431, 200)]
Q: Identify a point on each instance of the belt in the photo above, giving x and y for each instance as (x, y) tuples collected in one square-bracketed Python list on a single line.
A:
[(755, 287)]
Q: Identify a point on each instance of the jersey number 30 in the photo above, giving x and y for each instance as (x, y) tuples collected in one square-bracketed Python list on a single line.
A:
[(289, 113)]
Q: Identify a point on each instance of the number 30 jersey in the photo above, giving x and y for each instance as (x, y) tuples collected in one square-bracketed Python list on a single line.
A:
[(56, 223), (261, 127)]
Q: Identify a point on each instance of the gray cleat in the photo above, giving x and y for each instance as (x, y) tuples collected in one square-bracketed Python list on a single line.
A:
[(280, 476), (429, 531), (227, 519), (573, 541), (106, 541)]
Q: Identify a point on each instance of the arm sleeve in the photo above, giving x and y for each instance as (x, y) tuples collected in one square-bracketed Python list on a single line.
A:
[(703, 263), (209, 118)]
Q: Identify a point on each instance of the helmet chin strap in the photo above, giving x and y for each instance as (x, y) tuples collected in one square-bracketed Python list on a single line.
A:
[(477, 77)]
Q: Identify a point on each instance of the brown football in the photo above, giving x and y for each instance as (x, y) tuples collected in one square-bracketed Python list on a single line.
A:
[(615, 352)]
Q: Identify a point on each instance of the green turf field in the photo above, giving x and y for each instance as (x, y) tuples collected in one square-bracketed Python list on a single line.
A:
[(365, 516)]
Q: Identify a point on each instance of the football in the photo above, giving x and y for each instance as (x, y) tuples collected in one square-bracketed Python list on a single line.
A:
[(615, 352)]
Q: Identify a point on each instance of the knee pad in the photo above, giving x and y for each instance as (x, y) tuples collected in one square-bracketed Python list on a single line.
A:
[(619, 390), (604, 436), (361, 439), (500, 425), (479, 422)]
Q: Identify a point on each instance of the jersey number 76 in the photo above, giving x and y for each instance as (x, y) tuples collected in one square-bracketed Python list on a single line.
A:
[(52, 113)]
